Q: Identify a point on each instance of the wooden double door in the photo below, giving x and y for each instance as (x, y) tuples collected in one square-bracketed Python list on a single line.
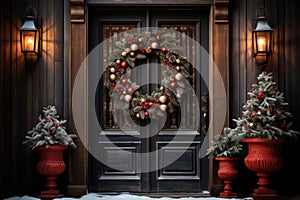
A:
[(188, 173)]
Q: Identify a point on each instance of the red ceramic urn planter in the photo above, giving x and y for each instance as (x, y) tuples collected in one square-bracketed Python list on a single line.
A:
[(228, 172), (265, 158), (51, 164)]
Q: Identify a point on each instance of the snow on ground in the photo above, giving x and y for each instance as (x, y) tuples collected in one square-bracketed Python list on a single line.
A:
[(94, 196)]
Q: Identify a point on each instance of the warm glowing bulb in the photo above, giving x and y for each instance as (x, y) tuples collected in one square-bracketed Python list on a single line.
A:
[(262, 44), (30, 43)]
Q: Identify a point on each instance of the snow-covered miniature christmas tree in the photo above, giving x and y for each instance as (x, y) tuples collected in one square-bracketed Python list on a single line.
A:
[(265, 113), (49, 130)]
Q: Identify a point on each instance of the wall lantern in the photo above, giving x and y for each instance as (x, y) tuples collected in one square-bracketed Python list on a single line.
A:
[(262, 38), (31, 33)]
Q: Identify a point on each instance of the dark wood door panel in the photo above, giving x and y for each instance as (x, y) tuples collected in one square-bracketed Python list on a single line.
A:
[(123, 163), (185, 174)]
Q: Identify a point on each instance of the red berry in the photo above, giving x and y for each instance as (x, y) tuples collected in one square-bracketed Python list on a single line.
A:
[(158, 37), (112, 86), (164, 50), (124, 81), (124, 64), (143, 106), (146, 114), (143, 50)]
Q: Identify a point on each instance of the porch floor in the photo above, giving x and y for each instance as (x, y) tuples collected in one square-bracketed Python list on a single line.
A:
[(94, 196)]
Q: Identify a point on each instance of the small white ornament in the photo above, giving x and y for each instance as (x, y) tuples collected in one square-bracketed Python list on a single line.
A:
[(112, 70), (127, 98), (138, 115), (178, 60), (134, 47), (259, 113), (178, 76), (112, 77), (118, 61), (124, 54), (154, 45), (163, 107), (132, 54), (163, 99)]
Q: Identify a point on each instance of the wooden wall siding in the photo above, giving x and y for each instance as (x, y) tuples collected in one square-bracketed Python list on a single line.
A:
[(26, 89), (284, 62)]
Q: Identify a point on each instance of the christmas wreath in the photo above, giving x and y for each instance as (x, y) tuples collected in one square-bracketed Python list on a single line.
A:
[(133, 49)]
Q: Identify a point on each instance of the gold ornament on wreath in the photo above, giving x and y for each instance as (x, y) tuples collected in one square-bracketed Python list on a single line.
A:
[(135, 48)]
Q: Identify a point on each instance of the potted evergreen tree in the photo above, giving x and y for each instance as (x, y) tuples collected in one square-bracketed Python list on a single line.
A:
[(50, 139), (228, 153), (265, 125)]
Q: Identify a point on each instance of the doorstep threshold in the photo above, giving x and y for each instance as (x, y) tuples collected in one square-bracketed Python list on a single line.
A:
[(161, 194)]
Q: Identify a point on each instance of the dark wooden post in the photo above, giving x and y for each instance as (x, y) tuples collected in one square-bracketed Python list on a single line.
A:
[(78, 162)]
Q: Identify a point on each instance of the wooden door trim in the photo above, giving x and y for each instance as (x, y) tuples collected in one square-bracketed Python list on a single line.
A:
[(78, 49), (150, 3)]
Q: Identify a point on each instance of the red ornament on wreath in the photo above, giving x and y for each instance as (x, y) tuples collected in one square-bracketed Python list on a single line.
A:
[(124, 81), (150, 103), (158, 37), (124, 64), (130, 90), (164, 50), (173, 84)]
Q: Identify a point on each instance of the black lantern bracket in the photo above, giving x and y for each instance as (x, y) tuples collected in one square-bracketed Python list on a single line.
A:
[(31, 35), (262, 38)]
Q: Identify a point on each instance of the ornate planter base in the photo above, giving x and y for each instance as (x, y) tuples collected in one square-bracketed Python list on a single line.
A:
[(264, 197), (51, 165), (49, 196), (228, 172), (265, 158)]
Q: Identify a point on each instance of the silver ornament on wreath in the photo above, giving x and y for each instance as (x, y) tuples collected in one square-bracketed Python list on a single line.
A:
[(154, 45), (134, 47)]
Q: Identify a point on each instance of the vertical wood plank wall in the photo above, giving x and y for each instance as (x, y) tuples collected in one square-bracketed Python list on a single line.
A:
[(24, 90), (283, 16)]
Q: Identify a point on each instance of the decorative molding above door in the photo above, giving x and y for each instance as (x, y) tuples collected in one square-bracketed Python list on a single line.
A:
[(77, 8), (77, 11)]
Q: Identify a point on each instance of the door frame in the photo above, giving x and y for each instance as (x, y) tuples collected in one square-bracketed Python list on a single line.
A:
[(76, 49)]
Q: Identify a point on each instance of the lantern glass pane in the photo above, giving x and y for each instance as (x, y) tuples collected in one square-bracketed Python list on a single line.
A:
[(29, 41), (263, 41)]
